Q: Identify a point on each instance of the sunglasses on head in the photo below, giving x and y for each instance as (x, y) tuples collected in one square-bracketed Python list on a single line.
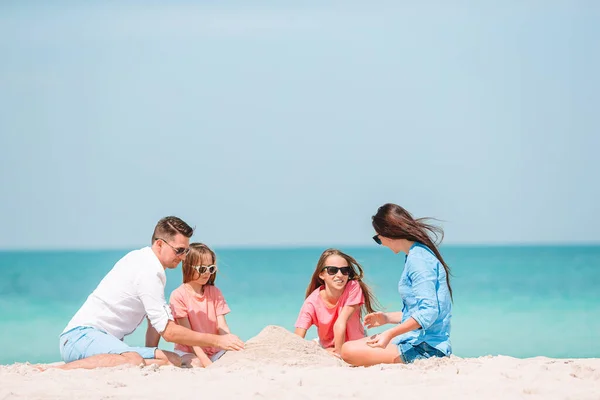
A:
[(201, 269), (334, 270), (180, 251), (376, 239)]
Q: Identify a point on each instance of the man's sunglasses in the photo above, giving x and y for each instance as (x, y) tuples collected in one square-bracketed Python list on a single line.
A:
[(180, 251), (334, 270), (201, 269), (376, 239)]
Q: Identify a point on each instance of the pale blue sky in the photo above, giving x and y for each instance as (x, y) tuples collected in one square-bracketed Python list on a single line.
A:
[(269, 124)]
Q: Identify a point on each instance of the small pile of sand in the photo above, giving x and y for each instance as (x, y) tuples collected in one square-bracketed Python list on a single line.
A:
[(275, 345)]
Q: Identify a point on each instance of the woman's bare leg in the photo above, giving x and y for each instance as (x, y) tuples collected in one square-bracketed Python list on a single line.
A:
[(359, 354)]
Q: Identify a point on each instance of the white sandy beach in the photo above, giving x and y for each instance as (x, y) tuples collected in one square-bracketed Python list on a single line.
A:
[(279, 365)]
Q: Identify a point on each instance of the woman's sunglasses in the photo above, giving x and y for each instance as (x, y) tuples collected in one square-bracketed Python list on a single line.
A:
[(376, 239), (201, 269), (334, 270)]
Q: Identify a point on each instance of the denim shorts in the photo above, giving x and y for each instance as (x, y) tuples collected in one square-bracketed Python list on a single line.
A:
[(409, 352), (84, 341)]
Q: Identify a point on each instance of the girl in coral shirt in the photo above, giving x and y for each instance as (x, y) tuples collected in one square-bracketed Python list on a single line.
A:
[(199, 305), (335, 298)]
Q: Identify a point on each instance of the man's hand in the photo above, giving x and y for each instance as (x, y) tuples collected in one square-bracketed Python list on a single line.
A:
[(376, 319), (229, 342)]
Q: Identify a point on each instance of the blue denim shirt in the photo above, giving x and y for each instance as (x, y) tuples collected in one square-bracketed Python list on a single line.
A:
[(426, 298)]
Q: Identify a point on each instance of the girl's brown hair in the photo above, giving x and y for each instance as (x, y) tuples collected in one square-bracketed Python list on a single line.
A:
[(394, 222), (194, 257), (356, 273)]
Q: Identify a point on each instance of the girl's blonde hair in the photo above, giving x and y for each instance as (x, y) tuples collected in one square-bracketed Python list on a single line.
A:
[(194, 258), (356, 274)]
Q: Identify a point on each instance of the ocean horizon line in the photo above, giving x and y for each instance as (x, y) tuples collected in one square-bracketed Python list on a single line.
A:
[(276, 247)]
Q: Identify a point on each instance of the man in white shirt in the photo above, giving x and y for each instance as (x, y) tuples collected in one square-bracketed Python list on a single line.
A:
[(133, 290)]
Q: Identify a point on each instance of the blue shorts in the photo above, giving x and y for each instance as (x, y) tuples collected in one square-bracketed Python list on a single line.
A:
[(84, 341), (409, 352)]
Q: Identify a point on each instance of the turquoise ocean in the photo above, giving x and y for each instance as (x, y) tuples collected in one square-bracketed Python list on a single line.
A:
[(518, 301)]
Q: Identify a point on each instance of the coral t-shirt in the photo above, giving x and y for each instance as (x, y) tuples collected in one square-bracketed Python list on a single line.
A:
[(314, 311), (200, 310)]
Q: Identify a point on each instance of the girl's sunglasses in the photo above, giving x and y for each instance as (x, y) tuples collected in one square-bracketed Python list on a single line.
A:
[(334, 270), (201, 269)]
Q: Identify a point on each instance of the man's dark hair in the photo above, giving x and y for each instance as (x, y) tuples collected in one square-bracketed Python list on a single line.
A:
[(168, 227)]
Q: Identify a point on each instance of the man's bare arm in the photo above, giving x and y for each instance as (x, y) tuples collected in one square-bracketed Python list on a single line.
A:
[(152, 336), (178, 334)]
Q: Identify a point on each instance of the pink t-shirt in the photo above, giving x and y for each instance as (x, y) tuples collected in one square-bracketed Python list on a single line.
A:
[(314, 311), (200, 310)]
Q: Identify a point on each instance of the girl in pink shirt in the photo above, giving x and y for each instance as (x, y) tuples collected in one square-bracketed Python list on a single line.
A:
[(199, 305), (335, 299)]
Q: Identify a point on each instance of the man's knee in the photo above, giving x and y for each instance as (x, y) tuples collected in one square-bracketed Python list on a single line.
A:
[(133, 358)]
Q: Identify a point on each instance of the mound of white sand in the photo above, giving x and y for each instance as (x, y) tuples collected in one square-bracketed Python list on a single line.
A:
[(275, 345)]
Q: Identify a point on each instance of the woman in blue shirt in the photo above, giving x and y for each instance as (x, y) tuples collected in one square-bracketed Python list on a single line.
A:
[(422, 329)]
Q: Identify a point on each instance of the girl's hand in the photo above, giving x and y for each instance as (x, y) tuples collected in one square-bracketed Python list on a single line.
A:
[(376, 319), (334, 353), (380, 340)]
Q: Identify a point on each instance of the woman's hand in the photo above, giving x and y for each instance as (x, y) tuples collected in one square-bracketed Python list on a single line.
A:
[(380, 340), (376, 319)]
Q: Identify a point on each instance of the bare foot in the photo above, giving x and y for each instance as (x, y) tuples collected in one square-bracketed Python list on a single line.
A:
[(196, 363)]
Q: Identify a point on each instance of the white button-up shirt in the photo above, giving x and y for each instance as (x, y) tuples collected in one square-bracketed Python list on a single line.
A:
[(134, 288)]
